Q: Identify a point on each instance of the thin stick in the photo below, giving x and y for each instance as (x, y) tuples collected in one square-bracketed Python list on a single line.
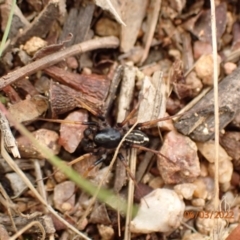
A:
[(131, 184), (216, 104), (31, 68), (154, 19)]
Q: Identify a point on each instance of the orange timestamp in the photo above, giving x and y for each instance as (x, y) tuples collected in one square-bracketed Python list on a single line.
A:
[(209, 214)]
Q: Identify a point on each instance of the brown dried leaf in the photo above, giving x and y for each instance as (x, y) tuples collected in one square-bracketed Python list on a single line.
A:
[(93, 85), (71, 134), (28, 109)]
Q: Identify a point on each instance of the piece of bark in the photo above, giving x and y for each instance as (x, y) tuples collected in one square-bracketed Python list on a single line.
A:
[(187, 54), (63, 99), (116, 75), (153, 103), (198, 122), (41, 24), (26, 86), (78, 23), (93, 85)]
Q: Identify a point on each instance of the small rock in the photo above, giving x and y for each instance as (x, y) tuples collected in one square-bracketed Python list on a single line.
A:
[(206, 150), (106, 27), (224, 187), (228, 200), (194, 83), (225, 171), (229, 67), (198, 202), (64, 193), (106, 232), (204, 169), (204, 69), (33, 45), (156, 182), (160, 202), (72, 62), (71, 134), (201, 48), (181, 163), (206, 225), (200, 189), (82, 224), (185, 190), (46, 137), (58, 175), (193, 236)]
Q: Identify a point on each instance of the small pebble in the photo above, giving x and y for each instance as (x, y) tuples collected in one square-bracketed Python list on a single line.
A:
[(204, 69), (160, 202), (185, 190)]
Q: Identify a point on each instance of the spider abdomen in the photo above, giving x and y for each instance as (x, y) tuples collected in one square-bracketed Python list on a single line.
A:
[(108, 138), (137, 137)]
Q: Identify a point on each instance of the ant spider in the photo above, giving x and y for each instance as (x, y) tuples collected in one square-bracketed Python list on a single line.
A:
[(107, 138)]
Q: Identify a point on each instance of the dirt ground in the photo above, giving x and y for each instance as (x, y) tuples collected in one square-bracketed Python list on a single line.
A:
[(121, 93)]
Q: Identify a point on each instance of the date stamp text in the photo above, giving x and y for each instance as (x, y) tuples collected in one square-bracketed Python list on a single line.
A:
[(209, 214)]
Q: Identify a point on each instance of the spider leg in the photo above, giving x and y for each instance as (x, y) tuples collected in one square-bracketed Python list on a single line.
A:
[(123, 161), (131, 114), (153, 122), (100, 160), (66, 121), (149, 150)]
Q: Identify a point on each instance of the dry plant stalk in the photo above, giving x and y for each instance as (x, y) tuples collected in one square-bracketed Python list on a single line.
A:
[(8, 139), (216, 103)]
